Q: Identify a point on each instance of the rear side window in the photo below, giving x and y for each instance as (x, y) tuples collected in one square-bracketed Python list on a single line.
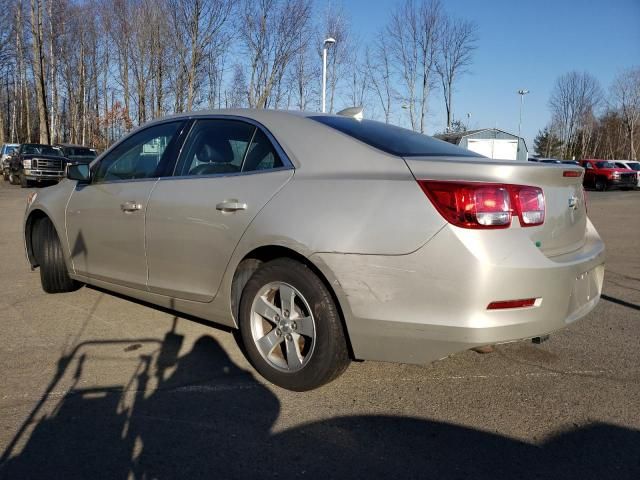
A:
[(261, 154), (215, 147), (394, 140)]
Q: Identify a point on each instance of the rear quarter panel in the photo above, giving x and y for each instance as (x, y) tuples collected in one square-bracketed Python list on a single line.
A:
[(345, 196)]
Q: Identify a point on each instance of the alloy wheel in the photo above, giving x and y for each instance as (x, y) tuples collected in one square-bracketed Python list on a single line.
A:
[(283, 327)]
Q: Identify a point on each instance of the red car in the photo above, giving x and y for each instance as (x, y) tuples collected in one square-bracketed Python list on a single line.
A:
[(603, 174)]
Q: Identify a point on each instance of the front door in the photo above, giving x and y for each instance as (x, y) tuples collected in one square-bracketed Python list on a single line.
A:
[(228, 171), (105, 219)]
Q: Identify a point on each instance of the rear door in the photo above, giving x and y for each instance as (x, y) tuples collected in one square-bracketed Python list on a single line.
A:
[(105, 219), (228, 170)]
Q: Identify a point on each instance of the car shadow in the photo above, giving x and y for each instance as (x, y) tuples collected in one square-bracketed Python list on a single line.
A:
[(620, 302), (200, 416)]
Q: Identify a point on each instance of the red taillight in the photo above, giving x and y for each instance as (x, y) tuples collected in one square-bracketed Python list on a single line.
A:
[(522, 303), (571, 173), (530, 205), (485, 205)]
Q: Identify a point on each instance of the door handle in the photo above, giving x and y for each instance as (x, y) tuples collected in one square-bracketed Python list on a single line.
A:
[(232, 205), (129, 207)]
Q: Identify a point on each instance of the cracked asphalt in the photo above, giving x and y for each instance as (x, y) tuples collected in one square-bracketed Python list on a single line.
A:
[(99, 386)]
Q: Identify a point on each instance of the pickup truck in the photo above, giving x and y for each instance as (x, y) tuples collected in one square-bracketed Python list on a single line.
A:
[(77, 153), (630, 165), (603, 174), (34, 162)]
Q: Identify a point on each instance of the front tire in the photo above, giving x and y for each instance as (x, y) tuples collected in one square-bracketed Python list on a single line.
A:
[(13, 180), (54, 275), (601, 184), (24, 183), (291, 328)]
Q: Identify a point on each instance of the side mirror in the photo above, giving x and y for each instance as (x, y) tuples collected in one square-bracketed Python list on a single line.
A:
[(79, 171)]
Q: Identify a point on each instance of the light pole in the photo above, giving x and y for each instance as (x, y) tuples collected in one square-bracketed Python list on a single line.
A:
[(522, 93), (325, 46)]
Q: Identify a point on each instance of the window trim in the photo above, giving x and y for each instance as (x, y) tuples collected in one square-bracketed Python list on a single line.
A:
[(286, 162)]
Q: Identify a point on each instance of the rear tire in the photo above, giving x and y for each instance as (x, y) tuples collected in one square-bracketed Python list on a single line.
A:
[(601, 184), (54, 275), (5, 176), (303, 346)]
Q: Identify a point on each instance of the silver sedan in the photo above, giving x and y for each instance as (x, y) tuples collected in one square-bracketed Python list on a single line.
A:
[(323, 238)]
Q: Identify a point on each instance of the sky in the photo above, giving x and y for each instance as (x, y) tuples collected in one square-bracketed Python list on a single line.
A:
[(524, 44)]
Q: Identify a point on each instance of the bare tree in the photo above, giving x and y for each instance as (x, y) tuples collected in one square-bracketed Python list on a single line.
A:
[(414, 30), (625, 96), (7, 70), (457, 42), (198, 27), (335, 24), (237, 96), (268, 33), (303, 72), (39, 72), (380, 74), (574, 97)]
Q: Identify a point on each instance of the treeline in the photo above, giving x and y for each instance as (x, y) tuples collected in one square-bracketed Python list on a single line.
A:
[(589, 122), (88, 71)]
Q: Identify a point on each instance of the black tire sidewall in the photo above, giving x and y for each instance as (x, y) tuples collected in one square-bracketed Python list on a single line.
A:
[(330, 354), (54, 275)]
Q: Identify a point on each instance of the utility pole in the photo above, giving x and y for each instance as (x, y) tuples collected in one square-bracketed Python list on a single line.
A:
[(325, 46)]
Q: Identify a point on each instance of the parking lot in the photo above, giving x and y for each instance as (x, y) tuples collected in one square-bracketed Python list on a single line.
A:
[(99, 386)]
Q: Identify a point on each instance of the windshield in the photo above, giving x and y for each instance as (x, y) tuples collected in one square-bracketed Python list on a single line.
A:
[(9, 149), (394, 140), (634, 166), (39, 149), (605, 165)]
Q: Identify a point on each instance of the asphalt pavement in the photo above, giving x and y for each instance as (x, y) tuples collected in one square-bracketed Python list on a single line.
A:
[(99, 386)]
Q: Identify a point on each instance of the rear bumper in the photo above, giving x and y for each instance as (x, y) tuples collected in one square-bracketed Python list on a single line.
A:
[(423, 306)]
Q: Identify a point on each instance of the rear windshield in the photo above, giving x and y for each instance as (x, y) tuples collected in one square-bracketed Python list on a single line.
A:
[(80, 152), (394, 140)]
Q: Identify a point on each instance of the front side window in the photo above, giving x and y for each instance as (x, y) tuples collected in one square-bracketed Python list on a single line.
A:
[(139, 156)]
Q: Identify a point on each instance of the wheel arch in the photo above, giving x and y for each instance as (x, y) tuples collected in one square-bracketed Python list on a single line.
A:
[(33, 218), (252, 261)]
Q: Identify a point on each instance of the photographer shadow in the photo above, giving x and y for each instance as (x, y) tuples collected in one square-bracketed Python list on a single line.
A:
[(200, 416)]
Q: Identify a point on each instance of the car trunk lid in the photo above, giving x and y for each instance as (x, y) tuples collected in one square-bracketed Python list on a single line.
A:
[(564, 227)]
